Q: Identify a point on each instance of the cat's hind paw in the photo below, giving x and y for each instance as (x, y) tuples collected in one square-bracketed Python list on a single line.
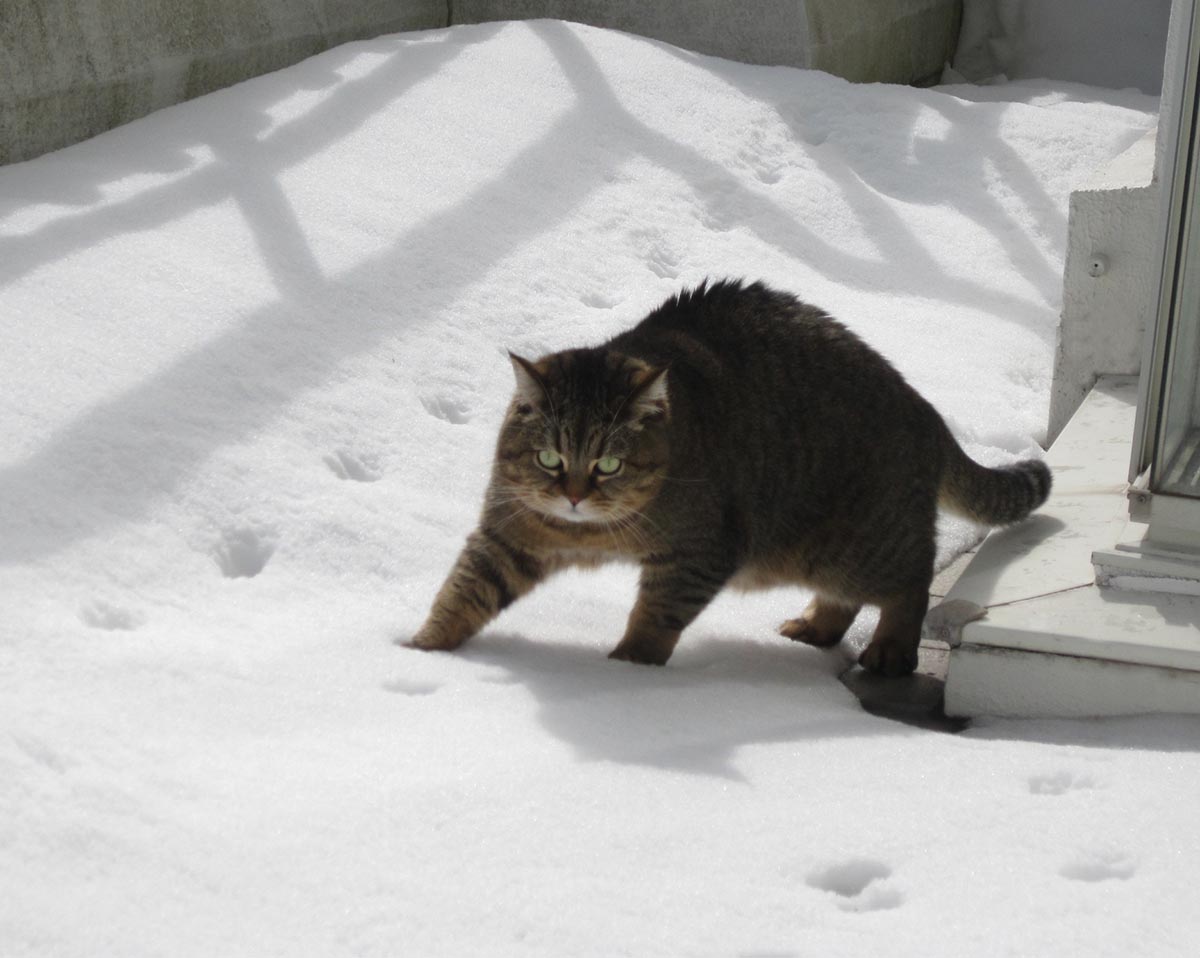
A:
[(892, 659)]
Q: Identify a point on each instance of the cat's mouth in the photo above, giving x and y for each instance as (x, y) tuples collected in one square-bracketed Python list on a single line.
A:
[(581, 512)]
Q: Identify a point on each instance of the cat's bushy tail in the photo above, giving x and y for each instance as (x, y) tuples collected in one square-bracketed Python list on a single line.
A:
[(995, 497)]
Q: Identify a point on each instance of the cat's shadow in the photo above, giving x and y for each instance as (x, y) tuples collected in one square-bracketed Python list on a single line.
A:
[(715, 697)]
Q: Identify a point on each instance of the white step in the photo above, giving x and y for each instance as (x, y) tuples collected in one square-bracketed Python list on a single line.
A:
[(1053, 643)]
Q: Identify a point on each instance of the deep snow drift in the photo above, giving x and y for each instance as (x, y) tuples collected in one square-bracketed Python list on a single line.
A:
[(252, 351)]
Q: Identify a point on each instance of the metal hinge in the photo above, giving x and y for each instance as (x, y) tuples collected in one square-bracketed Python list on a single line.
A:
[(1139, 495)]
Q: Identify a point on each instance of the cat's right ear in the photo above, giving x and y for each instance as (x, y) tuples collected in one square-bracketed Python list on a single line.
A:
[(531, 388), (649, 398)]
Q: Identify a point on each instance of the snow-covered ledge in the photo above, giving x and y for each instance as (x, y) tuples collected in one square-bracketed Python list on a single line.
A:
[(1053, 642)]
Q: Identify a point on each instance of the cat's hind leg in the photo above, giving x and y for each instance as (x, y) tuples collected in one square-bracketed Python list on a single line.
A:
[(893, 647), (822, 624)]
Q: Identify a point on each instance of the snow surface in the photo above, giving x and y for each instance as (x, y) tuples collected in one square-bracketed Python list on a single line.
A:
[(252, 354)]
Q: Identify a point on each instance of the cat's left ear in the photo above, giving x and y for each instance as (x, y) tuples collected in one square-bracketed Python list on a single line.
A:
[(531, 388), (649, 400)]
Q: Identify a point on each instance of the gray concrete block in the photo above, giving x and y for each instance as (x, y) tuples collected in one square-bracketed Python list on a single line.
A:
[(767, 32), (72, 68), (890, 41), (883, 41)]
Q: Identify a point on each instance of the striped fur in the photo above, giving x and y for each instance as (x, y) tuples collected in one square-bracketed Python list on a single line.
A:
[(759, 443), (993, 497)]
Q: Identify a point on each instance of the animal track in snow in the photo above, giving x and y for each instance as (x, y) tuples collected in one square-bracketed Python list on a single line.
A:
[(346, 465), (408, 687), (767, 166), (720, 213), (815, 135), (766, 148), (1059, 783), (1099, 865), (657, 251), (112, 618), (243, 553), (447, 408), (813, 127), (42, 753), (858, 885), (662, 262), (600, 300)]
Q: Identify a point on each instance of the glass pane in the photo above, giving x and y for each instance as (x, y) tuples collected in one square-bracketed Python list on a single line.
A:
[(1181, 427), (1179, 438), (1176, 467)]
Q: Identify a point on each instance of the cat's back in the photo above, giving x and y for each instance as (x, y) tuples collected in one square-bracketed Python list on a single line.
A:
[(730, 313), (731, 338), (776, 402)]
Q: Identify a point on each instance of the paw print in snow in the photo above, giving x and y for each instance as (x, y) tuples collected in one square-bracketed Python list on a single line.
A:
[(1099, 865), (346, 465), (859, 884), (243, 553), (111, 618)]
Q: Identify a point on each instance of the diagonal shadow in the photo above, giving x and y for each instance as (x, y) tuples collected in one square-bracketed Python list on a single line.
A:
[(918, 182), (108, 464), (272, 221), (351, 104), (735, 204)]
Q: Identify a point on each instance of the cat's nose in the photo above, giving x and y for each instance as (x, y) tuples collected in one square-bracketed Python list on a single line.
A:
[(575, 490)]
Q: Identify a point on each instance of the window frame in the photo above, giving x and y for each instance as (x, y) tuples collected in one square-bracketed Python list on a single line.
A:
[(1173, 519)]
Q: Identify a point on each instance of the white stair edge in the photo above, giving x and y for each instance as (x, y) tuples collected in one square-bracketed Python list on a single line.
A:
[(1053, 643)]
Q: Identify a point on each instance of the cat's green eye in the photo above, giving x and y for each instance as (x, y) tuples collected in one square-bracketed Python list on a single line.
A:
[(549, 459), (608, 466)]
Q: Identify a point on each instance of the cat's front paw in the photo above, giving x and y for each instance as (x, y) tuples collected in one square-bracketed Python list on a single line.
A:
[(643, 651), (803, 630), (433, 640)]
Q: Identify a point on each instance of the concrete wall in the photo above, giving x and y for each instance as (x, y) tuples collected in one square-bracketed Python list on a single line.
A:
[(1114, 45), (760, 31), (888, 41), (72, 68)]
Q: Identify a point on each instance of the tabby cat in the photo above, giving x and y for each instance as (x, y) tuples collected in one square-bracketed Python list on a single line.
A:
[(735, 436)]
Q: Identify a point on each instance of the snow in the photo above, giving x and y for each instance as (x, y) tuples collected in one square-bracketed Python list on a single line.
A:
[(253, 365)]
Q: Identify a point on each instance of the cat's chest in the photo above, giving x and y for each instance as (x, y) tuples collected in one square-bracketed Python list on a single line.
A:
[(592, 547), (595, 555)]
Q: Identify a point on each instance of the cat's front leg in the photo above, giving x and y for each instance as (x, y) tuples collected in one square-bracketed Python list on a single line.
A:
[(670, 596), (490, 574)]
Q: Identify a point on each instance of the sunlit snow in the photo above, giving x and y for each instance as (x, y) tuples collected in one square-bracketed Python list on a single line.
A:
[(252, 355)]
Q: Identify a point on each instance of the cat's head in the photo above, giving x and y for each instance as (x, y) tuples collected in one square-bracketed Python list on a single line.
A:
[(585, 437)]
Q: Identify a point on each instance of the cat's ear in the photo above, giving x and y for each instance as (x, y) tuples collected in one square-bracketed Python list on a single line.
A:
[(649, 400), (531, 387)]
